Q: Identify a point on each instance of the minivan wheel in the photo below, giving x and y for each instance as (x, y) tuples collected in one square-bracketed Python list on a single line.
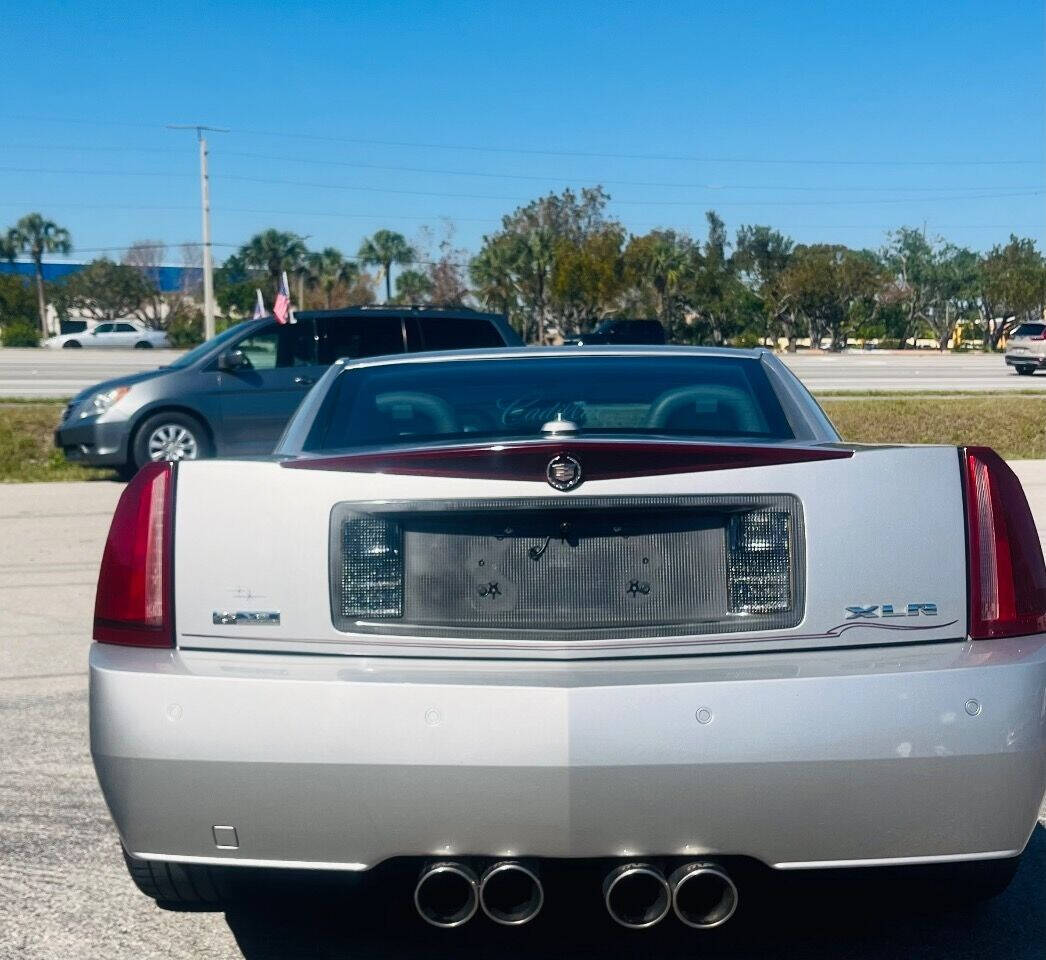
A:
[(170, 436), (72, 345)]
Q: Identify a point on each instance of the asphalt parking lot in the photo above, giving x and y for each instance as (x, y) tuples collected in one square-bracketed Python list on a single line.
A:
[(61, 373), (64, 892)]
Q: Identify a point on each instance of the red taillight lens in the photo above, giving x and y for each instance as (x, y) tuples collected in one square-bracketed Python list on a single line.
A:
[(133, 603), (1006, 569)]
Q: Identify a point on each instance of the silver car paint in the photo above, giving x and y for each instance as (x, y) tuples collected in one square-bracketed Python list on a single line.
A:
[(860, 516), (1025, 352), (837, 743), (827, 758)]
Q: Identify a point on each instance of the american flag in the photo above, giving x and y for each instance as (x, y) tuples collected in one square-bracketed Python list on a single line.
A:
[(281, 309), (259, 306)]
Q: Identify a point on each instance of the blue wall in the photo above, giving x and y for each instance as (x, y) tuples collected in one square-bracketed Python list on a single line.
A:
[(169, 279)]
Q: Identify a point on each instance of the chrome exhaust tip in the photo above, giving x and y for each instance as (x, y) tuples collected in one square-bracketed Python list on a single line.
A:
[(447, 894), (637, 895), (511, 893), (703, 895)]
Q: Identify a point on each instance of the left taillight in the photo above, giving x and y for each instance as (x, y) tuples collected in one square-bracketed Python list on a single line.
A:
[(133, 605)]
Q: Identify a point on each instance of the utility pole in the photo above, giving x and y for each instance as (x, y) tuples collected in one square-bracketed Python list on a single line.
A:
[(205, 205)]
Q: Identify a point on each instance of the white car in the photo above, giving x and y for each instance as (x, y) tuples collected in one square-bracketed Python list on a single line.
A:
[(1026, 348), (123, 333), (630, 616)]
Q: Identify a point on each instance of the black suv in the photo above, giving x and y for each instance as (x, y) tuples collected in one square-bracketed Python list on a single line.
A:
[(233, 395), (617, 330)]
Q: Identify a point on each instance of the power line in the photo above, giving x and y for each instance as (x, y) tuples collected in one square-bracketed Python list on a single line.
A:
[(355, 215), (531, 151), (523, 151), (953, 193), (273, 181), (95, 173), (610, 181), (603, 181)]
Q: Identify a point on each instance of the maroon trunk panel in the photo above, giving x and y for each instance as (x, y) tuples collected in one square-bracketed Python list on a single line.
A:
[(598, 459)]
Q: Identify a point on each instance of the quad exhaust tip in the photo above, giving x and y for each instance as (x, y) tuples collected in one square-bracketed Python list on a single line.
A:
[(703, 895), (510, 893), (447, 894), (637, 895)]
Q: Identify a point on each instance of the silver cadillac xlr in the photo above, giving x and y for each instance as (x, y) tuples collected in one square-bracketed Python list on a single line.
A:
[(633, 611)]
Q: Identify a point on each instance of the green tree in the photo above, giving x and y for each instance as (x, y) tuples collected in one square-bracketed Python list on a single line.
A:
[(1012, 287), (911, 260), (833, 288), (588, 278), (515, 268), (761, 255), (413, 286), (385, 249), (660, 261), (35, 236), (18, 321), (235, 285), (104, 291), (328, 270), (719, 303), (493, 275), (272, 252), (957, 285)]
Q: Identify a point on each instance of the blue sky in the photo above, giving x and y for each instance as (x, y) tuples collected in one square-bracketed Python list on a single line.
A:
[(833, 122)]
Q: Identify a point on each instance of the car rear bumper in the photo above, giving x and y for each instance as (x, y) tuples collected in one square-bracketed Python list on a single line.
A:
[(918, 754), (1025, 360), (94, 442)]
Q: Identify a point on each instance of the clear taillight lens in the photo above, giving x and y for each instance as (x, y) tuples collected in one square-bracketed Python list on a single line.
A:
[(1007, 575), (133, 605), (759, 567), (371, 574)]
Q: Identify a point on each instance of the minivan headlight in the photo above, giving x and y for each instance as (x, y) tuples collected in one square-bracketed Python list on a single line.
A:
[(99, 403)]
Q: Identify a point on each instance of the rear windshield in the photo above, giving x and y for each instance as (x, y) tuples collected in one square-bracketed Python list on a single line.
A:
[(1030, 330), (466, 400)]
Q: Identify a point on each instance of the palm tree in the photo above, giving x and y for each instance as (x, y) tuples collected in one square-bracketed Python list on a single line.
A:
[(384, 249), (412, 286), (327, 269), (273, 251), (36, 236), (661, 259), (493, 275)]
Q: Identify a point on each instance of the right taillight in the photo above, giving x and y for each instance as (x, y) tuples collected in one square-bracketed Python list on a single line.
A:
[(1007, 575), (133, 603)]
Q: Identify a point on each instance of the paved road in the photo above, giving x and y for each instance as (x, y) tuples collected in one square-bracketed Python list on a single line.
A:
[(64, 892), (61, 373), (923, 370)]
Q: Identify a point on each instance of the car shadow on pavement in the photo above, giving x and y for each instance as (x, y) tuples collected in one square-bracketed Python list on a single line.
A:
[(788, 919)]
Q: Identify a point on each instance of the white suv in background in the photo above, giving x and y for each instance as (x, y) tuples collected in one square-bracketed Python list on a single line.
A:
[(1026, 349), (122, 333)]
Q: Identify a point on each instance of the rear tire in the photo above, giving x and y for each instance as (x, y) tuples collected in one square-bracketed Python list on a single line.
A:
[(185, 885), (143, 345), (1025, 371), (169, 436), (72, 345)]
